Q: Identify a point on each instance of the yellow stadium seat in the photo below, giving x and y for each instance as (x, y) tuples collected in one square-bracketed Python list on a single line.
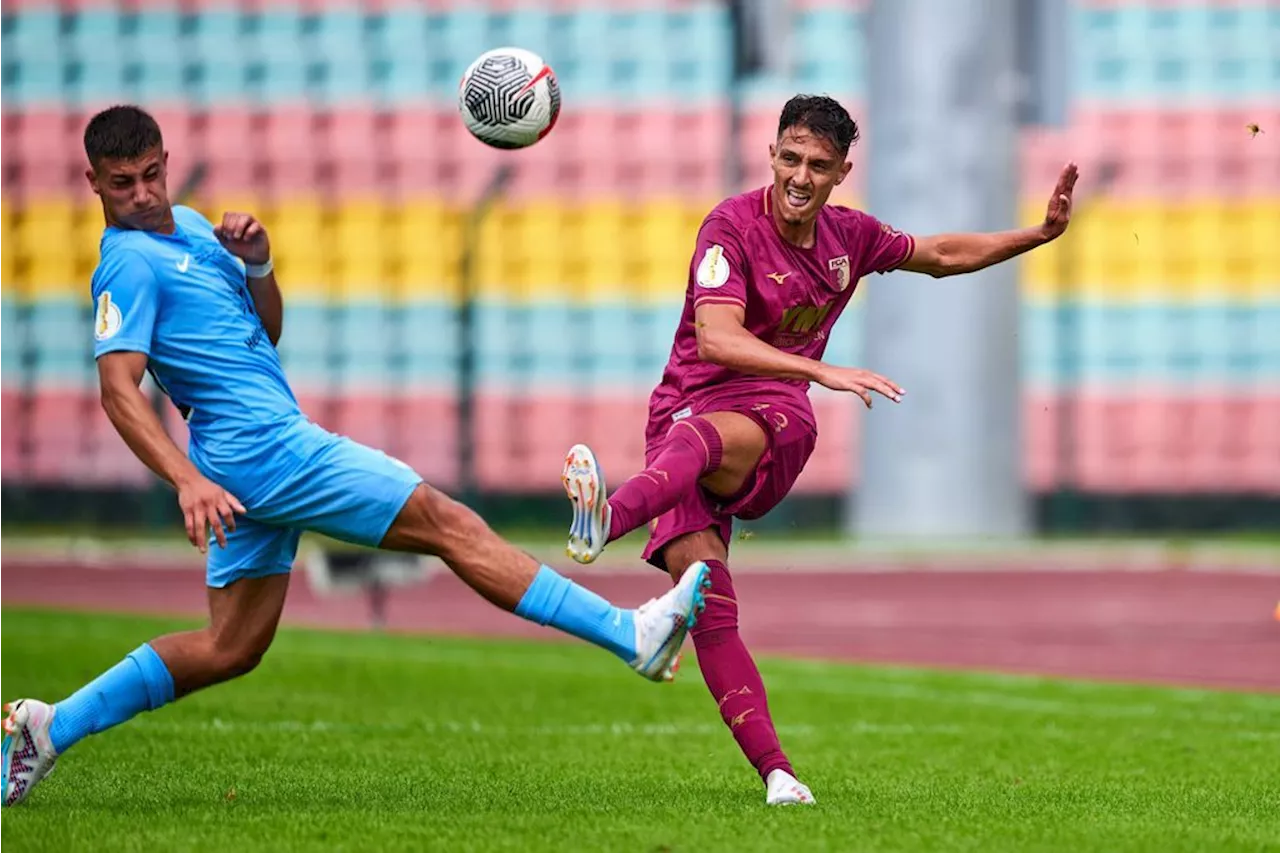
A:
[(299, 246), (492, 262), (359, 246), (8, 250), (425, 237), (47, 262), (542, 242), (602, 234), (1261, 221), (667, 245)]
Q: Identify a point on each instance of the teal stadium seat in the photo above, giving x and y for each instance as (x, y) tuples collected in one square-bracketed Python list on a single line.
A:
[(32, 34), (340, 57), (700, 52), (307, 344), (158, 55), (278, 63), (13, 342), (826, 55), (584, 40), (401, 54), (460, 35), (431, 347), (32, 57), (217, 69), (529, 28)]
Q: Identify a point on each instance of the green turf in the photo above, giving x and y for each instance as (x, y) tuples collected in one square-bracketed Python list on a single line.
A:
[(363, 742)]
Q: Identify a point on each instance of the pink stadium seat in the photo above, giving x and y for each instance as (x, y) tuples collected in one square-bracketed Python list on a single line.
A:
[(288, 132), (14, 433), (227, 142), (832, 467), (1040, 441), (58, 440), (362, 418), (352, 148)]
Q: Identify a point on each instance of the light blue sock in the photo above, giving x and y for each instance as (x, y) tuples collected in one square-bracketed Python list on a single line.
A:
[(559, 602), (140, 682)]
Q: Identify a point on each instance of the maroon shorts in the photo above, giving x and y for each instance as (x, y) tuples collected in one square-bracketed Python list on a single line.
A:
[(792, 436)]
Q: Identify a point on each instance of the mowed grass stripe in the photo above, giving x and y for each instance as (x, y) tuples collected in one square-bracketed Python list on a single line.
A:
[(357, 742)]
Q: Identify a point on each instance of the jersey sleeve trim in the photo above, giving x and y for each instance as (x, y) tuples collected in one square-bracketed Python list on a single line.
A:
[(719, 300), (906, 256)]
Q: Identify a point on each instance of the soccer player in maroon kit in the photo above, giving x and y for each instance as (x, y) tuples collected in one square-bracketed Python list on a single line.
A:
[(730, 424)]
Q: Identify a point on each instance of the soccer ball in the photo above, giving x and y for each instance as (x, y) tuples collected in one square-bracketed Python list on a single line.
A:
[(509, 98)]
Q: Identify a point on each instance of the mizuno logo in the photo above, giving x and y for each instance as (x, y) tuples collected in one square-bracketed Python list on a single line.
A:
[(779, 277), (184, 263)]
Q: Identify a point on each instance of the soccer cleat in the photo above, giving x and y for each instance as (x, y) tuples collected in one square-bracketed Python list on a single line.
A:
[(584, 484), (28, 753), (662, 623), (783, 789)]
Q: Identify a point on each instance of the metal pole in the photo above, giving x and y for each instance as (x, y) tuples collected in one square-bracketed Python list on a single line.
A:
[(942, 135), (467, 343)]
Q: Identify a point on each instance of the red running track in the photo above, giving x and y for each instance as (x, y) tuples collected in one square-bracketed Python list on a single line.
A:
[(1214, 629)]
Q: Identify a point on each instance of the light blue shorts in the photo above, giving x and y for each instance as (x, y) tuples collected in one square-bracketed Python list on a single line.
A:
[(304, 479)]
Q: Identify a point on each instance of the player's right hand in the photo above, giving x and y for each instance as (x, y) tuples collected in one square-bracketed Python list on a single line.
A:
[(860, 382), (205, 504)]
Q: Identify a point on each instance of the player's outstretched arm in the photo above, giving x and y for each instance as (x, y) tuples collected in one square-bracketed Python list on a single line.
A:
[(724, 340), (942, 255), (245, 237), (203, 503)]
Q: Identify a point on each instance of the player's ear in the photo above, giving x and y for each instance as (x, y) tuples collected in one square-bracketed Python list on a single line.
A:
[(845, 168), (92, 177)]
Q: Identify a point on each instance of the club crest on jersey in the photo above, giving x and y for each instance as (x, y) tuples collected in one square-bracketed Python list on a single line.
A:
[(713, 271), (107, 319), (840, 266)]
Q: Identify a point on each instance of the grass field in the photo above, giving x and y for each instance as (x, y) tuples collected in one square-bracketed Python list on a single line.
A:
[(343, 741)]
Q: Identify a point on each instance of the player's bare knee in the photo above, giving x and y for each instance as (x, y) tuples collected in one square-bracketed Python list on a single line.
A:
[(686, 550)]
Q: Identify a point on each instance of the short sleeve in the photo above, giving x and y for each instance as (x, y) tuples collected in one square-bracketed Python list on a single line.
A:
[(888, 248), (125, 298), (719, 265)]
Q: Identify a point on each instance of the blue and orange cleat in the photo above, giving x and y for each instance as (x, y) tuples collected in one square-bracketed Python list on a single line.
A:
[(584, 484)]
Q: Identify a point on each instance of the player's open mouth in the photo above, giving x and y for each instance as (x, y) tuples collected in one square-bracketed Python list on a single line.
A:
[(797, 199)]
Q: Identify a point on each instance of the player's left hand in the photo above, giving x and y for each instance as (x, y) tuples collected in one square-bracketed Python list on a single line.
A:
[(245, 237), (1059, 213)]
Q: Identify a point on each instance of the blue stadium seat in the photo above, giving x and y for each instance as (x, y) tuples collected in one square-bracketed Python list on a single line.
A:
[(32, 35), (13, 341), (95, 33), (529, 28), (460, 37), (339, 37), (99, 78), (306, 347), (28, 83)]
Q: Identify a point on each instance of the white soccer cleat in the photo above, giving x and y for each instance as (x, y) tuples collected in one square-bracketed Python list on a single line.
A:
[(584, 484), (29, 755), (783, 789), (662, 623)]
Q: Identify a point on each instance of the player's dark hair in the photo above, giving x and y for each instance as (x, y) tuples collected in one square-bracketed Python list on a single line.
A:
[(122, 132), (822, 116)]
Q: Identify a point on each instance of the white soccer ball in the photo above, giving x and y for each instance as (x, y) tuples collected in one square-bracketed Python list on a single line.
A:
[(509, 98)]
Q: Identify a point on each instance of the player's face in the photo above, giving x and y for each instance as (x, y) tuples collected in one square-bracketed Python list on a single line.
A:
[(133, 192), (806, 168)]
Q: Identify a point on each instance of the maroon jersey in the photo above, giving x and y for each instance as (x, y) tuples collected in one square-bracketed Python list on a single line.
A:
[(792, 296)]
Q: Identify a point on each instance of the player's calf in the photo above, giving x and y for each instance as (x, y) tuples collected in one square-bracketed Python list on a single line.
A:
[(727, 667)]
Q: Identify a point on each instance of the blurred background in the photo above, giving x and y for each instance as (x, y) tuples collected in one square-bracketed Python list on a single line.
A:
[(456, 305)]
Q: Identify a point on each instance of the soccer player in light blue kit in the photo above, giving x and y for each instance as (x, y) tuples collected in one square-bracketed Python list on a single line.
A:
[(198, 307)]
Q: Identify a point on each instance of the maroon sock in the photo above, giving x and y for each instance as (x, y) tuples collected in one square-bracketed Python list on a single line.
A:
[(693, 449), (733, 679)]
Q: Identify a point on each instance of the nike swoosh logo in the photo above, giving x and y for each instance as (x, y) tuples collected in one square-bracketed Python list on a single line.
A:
[(184, 263)]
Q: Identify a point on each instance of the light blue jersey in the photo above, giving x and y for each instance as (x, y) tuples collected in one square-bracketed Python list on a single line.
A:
[(183, 300)]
